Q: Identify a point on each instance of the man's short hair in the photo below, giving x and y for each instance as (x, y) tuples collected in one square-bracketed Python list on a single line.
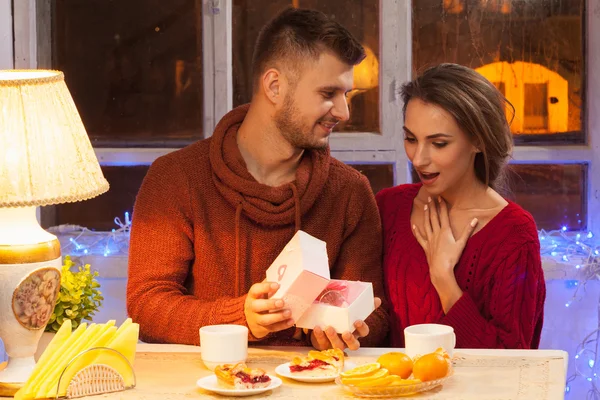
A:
[(296, 35)]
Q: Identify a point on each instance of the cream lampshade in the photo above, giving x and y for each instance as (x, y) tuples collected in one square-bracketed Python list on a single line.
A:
[(45, 158)]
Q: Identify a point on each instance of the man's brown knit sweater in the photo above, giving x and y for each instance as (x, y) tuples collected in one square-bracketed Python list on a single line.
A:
[(204, 230)]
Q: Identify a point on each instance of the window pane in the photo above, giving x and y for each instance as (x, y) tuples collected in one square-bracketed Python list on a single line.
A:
[(360, 17), (535, 107), (554, 194), (133, 67), (531, 50), (380, 176), (99, 213)]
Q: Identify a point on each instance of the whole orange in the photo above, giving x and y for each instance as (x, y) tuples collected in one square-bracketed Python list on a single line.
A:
[(430, 366), (397, 363)]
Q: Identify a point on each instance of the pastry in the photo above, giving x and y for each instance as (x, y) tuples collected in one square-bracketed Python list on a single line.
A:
[(319, 363), (239, 376)]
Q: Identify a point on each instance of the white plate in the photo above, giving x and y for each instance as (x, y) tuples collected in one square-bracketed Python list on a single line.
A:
[(284, 370), (210, 383)]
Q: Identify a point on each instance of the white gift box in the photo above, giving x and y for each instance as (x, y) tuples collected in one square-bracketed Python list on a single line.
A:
[(302, 271)]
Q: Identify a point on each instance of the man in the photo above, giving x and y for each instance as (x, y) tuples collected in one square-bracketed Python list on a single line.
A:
[(210, 218)]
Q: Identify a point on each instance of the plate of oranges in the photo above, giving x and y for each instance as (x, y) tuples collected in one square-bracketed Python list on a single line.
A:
[(396, 374)]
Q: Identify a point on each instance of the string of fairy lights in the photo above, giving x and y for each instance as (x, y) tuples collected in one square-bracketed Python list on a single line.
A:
[(579, 250), (80, 241), (582, 252)]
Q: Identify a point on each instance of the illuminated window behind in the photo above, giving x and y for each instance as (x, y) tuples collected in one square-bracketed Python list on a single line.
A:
[(532, 49)]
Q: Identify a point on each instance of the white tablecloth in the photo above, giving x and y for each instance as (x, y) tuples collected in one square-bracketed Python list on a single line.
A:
[(170, 372)]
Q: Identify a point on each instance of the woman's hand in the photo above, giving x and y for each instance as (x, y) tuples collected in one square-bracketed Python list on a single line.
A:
[(442, 250)]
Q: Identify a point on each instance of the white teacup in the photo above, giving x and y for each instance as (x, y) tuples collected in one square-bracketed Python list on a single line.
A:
[(223, 344), (427, 338)]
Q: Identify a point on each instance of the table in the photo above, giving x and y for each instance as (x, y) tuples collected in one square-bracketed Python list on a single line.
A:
[(169, 372)]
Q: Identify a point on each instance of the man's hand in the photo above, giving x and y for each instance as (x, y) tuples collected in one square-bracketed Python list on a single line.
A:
[(328, 338), (265, 315)]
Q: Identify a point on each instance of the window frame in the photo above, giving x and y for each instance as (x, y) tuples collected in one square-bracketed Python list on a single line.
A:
[(6, 35), (32, 49)]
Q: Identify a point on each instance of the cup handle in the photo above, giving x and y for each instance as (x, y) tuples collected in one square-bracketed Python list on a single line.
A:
[(453, 341)]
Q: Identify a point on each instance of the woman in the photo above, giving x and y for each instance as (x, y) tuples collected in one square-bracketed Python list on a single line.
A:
[(455, 251)]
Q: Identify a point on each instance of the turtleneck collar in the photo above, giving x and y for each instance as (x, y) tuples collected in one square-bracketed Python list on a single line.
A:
[(266, 205)]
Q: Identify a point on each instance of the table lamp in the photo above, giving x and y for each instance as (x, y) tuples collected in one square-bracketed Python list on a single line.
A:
[(45, 158)]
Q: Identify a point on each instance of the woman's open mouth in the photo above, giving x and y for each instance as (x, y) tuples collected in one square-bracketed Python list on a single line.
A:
[(428, 178)]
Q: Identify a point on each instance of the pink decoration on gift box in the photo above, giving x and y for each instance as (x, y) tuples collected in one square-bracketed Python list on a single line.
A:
[(359, 303), (335, 294)]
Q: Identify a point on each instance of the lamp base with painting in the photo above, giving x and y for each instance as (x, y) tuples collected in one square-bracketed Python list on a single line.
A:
[(30, 265)]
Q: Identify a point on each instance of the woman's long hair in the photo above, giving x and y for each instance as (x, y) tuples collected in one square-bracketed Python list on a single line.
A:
[(479, 109)]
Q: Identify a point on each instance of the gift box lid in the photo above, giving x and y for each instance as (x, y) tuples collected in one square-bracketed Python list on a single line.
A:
[(302, 253)]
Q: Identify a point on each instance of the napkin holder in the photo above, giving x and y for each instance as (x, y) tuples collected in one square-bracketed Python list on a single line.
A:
[(94, 379)]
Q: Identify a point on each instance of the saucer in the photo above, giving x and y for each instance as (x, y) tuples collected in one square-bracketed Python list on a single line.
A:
[(284, 370), (210, 383)]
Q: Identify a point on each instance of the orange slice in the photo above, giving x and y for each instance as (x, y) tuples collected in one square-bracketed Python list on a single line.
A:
[(361, 370), (360, 380), (383, 381)]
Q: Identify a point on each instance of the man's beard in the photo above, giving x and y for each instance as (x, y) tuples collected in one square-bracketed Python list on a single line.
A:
[(293, 130)]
